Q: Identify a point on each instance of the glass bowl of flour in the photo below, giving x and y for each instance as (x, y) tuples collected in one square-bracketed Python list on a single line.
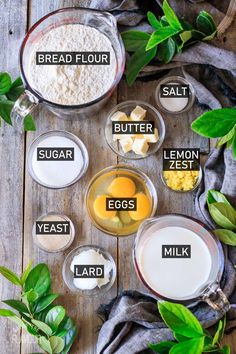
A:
[(71, 61)]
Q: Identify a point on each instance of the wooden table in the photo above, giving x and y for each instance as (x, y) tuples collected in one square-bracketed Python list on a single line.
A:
[(22, 200)]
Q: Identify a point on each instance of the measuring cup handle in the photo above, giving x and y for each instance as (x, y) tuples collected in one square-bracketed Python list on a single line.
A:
[(215, 298), (22, 107)]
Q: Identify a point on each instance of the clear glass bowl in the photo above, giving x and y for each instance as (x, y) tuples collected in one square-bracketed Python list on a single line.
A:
[(67, 135), (108, 173), (152, 115), (196, 185), (69, 277), (43, 218), (178, 80)]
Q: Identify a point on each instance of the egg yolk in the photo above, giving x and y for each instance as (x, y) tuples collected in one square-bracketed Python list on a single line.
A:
[(99, 207), (122, 187), (143, 207)]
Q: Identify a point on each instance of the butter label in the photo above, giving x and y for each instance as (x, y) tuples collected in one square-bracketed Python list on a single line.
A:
[(127, 127), (121, 204), (181, 159), (174, 90), (88, 271), (176, 251), (55, 154)]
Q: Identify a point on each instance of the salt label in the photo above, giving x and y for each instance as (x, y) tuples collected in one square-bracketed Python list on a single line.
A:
[(174, 90), (89, 271)]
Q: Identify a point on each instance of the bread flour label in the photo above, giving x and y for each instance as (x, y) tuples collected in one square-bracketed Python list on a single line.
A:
[(73, 58)]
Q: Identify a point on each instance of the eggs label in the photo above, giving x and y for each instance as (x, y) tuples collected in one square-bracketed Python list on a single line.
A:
[(55, 154), (121, 204), (176, 251), (174, 90), (52, 227), (181, 159), (127, 127), (73, 58), (89, 271)]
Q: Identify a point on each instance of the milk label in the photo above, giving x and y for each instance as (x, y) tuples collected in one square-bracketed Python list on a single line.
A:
[(176, 251), (88, 271)]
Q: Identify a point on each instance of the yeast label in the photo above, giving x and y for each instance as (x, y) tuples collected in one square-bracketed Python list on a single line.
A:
[(126, 127), (73, 58), (174, 90), (121, 204), (88, 271), (55, 154), (176, 251), (52, 227), (186, 159)]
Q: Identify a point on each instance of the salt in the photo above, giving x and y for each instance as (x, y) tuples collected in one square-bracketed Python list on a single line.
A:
[(174, 104)]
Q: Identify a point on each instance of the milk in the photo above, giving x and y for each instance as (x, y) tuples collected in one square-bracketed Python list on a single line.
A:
[(55, 173), (174, 278)]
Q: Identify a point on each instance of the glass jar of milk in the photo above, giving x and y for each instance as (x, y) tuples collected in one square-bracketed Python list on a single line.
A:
[(179, 259), (71, 61)]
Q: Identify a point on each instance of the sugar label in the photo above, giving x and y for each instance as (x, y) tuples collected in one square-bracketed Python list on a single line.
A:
[(55, 154)]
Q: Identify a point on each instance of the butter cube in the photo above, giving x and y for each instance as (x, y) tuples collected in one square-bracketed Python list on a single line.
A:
[(138, 113), (140, 146), (152, 138), (119, 116), (126, 144), (116, 137)]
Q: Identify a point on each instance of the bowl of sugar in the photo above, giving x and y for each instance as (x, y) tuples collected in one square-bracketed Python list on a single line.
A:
[(174, 95), (57, 159)]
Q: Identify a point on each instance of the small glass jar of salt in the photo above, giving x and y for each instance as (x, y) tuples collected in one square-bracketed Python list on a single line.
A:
[(53, 232), (57, 159), (174, 95)]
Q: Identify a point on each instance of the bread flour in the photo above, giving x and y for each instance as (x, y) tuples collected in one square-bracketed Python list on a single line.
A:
[(72, 84)]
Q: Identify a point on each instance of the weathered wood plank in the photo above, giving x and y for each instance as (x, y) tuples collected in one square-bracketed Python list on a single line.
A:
[(39, 200), (13, 17)]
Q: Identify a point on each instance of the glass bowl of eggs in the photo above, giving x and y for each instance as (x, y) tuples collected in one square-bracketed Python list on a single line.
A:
[(119, 198), (134, 130)]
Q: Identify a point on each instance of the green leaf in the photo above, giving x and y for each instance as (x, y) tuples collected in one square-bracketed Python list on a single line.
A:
[(43, 327), (55, 316), (153, 20), (32, 330), (226, 137), (226, 349), (137, 62), (13, 317), (69, 339), (133, 39), (160, 35), (180, 337), (18, 82), (31, 296), (215, 123), (180, 320), (185, 37), (217, 334), (228, 237), (17, 305), (39, 280), (162, 348), (234, 146), (215, 196), (192, 346), (44, 302), (5, 110), (26, 273), (6, 313), (5, 83), (45, 345), (29, 123), (223, 214), (15, 92), (57, 344), (9, 275), (166, 50), (205, 23), (171, 16)]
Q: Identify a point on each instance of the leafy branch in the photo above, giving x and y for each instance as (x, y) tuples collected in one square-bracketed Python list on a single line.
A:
[(54, 330), (10, 91), (218, 123), (170, 36), (188, 332)]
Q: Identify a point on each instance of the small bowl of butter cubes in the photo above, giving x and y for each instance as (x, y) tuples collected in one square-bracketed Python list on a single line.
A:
[(134, 129)]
